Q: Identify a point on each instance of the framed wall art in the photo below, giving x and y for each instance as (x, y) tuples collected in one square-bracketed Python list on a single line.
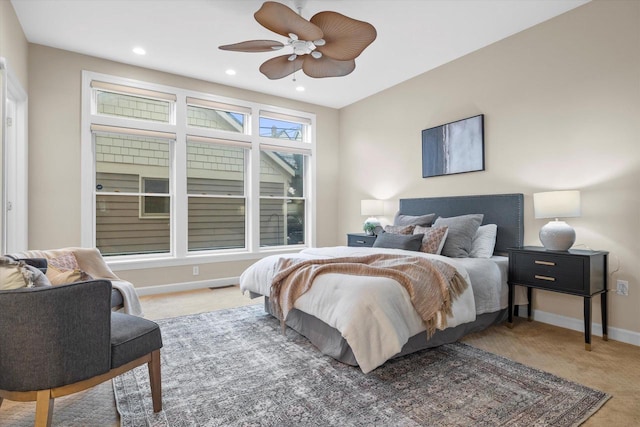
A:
[(453, 148)]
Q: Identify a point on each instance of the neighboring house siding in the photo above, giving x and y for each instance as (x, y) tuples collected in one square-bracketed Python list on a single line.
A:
[(208, 161), (119, 228), (214, 222), (123, 150), (115, 104), (212, 119)]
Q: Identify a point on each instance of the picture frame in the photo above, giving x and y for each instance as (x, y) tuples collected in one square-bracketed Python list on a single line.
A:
[(453, 148)]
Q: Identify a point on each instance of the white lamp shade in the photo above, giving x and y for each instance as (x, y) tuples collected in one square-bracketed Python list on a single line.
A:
[(371, 207), (557, 204)]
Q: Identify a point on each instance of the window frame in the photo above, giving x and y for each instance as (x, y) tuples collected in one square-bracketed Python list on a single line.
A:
[(179, 253)]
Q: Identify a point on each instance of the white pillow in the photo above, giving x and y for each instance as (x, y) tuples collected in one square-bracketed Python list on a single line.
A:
[(484, 241)]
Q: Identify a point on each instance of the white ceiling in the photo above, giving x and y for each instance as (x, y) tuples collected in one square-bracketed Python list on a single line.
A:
[(182, 37)]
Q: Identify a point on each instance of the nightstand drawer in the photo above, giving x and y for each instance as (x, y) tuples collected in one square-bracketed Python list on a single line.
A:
[(361, 240), (549, 271)]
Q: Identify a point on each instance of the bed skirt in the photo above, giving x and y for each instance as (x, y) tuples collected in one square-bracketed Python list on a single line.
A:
[(330, 342)]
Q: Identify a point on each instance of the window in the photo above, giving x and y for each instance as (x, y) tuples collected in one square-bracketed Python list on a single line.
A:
[(282, 126), (117, 104), (216, 115), (155, 206), (216, 194), (282, 201), (132, 192), (174, 172)]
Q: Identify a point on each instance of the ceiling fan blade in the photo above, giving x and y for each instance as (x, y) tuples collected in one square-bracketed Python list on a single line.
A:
[(280, 66), (282, 20), (326, 67), (345, 37), (253, 46)]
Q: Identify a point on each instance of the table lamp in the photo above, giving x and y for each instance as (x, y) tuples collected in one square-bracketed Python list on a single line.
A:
[(557, 235)]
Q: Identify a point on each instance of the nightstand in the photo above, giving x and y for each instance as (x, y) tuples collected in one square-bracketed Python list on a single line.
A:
[(575, 272), (360, 239)]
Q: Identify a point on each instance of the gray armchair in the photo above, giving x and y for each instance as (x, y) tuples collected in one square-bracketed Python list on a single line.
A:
[(59, 340)]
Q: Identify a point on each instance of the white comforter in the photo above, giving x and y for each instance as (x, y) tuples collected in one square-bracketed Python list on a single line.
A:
[(374, 314)]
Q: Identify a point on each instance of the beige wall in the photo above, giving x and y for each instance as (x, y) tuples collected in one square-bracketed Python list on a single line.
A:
[(13, 44), (562, 111), (561, 104), (54, 156)]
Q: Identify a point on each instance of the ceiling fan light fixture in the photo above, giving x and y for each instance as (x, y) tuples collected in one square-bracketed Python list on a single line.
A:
[(324, 46)]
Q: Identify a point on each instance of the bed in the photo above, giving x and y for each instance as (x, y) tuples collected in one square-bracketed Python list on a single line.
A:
[(364, 321)]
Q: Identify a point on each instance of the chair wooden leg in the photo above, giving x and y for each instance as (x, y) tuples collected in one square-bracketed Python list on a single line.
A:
[(44, 408), (155, 380), (1, 399)]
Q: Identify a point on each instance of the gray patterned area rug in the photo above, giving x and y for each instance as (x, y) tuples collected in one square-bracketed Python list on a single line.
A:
[(235, 368)]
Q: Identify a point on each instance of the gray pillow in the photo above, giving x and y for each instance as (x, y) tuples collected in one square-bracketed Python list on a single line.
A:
[(421, 220), (409, 242), (462, 229), (38, 278)]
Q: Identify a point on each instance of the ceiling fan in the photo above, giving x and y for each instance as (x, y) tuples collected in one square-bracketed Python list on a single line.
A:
[(324, 46)]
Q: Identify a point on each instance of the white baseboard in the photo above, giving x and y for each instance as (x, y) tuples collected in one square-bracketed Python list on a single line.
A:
[(618, 334), (187, 286)]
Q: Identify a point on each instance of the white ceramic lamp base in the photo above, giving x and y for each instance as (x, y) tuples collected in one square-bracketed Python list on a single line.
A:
[(557, 236)]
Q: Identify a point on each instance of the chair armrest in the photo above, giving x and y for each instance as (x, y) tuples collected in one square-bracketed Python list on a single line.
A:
[(52, 336)]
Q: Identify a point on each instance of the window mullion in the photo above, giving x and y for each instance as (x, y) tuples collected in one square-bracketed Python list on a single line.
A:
[(253, 185), (180, 217)]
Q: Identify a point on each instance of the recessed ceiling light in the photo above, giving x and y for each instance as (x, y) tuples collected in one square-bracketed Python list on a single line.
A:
[(300, 88), (139, 51), (230, 72)]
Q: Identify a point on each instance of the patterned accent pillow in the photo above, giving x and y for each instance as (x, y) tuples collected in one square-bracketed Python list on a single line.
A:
[(433, 239), (399, 229), (65, 269), (65, 261)]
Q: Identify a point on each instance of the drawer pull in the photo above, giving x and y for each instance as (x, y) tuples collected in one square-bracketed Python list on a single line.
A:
[(544, 262), (550, 279), (360, 241)]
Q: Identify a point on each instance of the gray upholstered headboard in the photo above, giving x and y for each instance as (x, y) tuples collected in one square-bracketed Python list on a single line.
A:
[(505, 210)]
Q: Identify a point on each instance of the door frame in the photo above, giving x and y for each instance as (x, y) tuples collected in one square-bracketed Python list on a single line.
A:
[(15, 189)]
